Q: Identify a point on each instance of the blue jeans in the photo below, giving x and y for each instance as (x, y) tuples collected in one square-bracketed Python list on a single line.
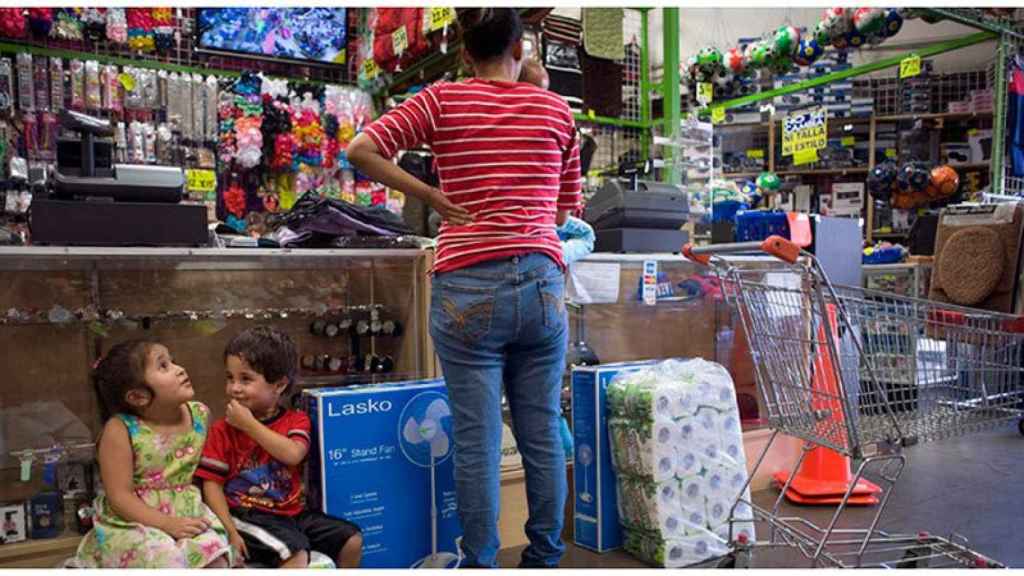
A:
[(499, 322)]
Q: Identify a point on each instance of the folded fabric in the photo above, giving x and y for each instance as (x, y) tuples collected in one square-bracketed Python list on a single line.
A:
[(318, 218)]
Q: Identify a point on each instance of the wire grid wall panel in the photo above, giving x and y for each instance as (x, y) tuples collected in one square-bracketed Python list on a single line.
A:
[(923, 370), (616, 144), (928, 94), (184, 53)]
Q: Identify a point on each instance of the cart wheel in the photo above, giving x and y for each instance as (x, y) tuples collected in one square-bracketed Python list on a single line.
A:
[(727, 561), (744, 559)]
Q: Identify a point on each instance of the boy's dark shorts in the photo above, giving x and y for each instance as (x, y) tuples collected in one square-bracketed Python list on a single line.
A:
[(272, 539)]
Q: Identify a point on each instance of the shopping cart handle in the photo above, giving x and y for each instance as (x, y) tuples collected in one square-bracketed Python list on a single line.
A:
[(774, 245)]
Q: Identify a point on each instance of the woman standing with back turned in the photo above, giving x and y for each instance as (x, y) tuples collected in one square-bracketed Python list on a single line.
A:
[(509, 169)]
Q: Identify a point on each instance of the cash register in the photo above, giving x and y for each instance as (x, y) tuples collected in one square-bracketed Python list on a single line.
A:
[(634, 215), (93, 201)]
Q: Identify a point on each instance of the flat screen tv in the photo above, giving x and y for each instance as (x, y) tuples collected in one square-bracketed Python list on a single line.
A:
[(316, 35)]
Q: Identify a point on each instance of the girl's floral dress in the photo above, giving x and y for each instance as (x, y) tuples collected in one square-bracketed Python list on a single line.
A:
[(164, 465)]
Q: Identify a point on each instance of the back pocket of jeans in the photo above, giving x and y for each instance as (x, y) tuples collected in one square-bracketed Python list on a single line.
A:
[(552, 297), (463, 311)]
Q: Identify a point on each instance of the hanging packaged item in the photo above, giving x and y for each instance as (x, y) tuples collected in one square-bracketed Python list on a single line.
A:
[(49, 130), (164, 145), (41, 82), (198, 115), (30, 130), (67, 25), (185, 106), (210, 107), (161, 89), (94, 22), (132, 82), (14, 525), (174, 101), (26, 95), (56, 84), (40, 21), (93, 93), (149, 142), (117, 26), (12, 23), (77, 85), (136, 143), (111, 89), (150, 90), (6, 87), (121, 142)]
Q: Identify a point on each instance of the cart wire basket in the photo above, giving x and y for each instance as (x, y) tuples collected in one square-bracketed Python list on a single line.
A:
[(865, 374)]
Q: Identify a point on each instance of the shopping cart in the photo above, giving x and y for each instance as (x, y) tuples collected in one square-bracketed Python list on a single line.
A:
[(866, 374)]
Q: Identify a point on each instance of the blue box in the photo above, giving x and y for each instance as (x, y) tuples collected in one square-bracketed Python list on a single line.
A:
[(596, 518), (371, 464)]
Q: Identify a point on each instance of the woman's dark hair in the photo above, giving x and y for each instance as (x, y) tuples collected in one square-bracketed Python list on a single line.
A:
[(122, 370), (487, 33), (268, 351)]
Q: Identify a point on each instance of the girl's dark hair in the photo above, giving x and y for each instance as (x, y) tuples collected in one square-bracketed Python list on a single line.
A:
[(122, 370), (487, 33), (268, 351)]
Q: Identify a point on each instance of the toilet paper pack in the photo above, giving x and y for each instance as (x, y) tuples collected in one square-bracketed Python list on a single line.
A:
[(677, 449)]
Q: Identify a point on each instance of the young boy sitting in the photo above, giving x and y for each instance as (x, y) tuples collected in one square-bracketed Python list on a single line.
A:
[(251, 464)]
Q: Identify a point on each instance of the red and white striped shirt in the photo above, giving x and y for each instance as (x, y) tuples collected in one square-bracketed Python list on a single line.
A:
[(506, 151)]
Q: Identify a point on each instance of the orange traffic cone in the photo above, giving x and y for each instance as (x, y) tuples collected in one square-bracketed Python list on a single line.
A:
[(824, 475)]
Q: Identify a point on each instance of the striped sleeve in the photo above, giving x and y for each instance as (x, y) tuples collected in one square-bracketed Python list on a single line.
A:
[(215, 461), (298, 427), (571, 184), (408, 125)]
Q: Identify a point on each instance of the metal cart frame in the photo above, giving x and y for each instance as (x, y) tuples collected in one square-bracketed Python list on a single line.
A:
[(866, 374)]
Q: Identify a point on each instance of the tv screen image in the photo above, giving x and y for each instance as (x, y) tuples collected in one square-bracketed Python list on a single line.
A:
[(310, 34)]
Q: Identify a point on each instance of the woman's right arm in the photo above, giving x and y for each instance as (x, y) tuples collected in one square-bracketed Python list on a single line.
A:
[(116, 461)]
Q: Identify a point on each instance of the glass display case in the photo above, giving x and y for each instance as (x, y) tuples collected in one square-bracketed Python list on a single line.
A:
[(905, 279), (356, 315)]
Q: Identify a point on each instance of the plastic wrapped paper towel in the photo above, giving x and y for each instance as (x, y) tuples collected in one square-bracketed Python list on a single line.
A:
[(677, 449)]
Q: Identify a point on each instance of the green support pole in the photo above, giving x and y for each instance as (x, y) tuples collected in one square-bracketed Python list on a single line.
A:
[(645, 85), (999, 117), (670, 91), (932, 50)]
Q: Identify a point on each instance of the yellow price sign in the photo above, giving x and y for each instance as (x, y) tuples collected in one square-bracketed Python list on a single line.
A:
[(717, 115), (441, 17), (204, 181), (370, 69), (805, 156), (755, 153), (890, 153), (705, 93), (591, 114), (910, 66), (400, 40), (848, 141)]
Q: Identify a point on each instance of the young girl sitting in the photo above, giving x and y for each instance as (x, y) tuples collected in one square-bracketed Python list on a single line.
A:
[(151, 516)]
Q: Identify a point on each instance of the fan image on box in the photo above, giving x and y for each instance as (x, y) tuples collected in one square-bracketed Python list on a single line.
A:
[(585, 455), (426, 425)]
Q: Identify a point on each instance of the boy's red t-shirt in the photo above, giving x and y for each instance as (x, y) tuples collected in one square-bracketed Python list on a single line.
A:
[(252, 478)]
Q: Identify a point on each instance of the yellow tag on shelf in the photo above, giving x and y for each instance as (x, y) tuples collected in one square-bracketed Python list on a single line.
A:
[(339, 58), (890, 152), (805, 156), (400, 40), (848, 141), (370, 69), (126, 80), (201, 180), (717, 115), (910, 66), (441, 17), (591, 114), (755, 153), (972, 132), (705, 93)]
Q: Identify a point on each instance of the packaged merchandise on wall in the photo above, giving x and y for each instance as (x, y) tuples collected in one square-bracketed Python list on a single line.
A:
[(26, 94), (56, 84), (377, 453), (6, 87), (13, 527)]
